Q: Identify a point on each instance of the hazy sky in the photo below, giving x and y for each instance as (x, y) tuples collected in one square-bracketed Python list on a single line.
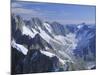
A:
[(63, 13)]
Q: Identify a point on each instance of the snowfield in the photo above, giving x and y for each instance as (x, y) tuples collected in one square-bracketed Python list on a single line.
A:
[(28, 32), (19, 47)]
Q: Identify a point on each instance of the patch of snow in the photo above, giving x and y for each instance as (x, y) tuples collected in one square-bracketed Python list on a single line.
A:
[(47, 53), (19, 47), (45, 36), (90, 65), (68, 40), (62, 39), (47, 48), (64, 54), (68, 44), (27, 31), (35, 32), (72, 38), (79, 26), (62, 61), (48, 27)]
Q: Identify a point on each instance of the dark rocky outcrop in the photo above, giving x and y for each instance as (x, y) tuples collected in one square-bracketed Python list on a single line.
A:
[(33, 62), (16, 58)]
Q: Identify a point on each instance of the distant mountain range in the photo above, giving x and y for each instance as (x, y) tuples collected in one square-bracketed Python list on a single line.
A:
[(52, 46)]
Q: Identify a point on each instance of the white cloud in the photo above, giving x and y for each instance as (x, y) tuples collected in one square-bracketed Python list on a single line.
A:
[(23, 11), (27, 13), (15, 4)]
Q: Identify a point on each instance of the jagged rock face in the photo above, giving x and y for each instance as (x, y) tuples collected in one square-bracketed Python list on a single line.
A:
[(32, 43), (71, 28), (25, 39), (35, 62), (84, 29), (40, 42), (16, 27), (55, 61), (86, 44), (13, 27), (16, 59), (36, 22), (58, 29)]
